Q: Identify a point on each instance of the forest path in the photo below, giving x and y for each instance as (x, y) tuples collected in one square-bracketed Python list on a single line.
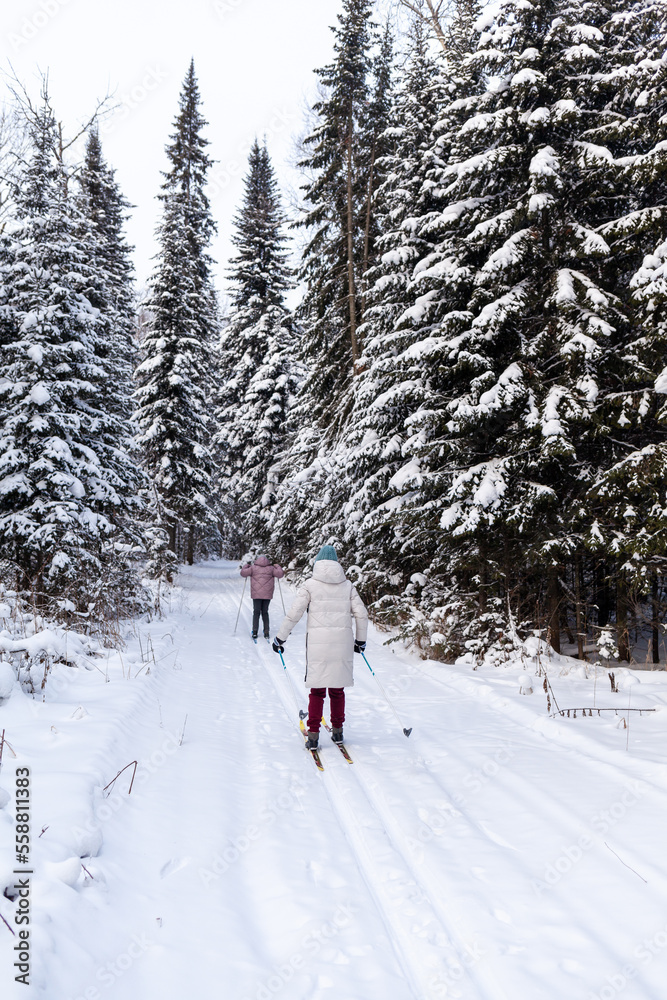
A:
[(474, 860)]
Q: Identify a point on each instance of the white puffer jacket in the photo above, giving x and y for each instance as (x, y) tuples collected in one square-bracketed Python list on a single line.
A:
[(331, 602)]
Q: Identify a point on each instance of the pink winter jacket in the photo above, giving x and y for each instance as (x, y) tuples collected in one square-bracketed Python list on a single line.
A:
[(262, 575)]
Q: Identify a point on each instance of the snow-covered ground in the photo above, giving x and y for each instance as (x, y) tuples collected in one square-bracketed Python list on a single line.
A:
[(496, 854)]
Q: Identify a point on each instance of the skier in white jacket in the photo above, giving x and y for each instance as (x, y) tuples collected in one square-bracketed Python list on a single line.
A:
[(332, 602)]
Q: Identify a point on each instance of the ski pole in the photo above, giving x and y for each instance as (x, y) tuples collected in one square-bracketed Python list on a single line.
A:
[(240, 606), (281, 596), (302, 714), (405, 731)]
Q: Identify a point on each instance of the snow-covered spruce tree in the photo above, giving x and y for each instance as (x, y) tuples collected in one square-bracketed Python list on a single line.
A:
[(108, 286), (524, 322), (257, 369), (62, 485), (344, 167), (376, 142), (104, 209), (174, 377), (389, 386), (523, 339), (460, 31), (336, 199), (626, 152), (259, 270)]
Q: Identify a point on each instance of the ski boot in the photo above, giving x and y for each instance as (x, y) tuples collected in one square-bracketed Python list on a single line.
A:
[(312, 741), (337, 735)]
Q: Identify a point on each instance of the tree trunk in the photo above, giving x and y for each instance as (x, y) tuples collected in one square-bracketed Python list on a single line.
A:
[(432, 18), (437, 25), (367, 230), (484, 582), (553, 600), (172, 537), (656, 618), (483, 575), (179, 547), (622, 636), (602, 594), (578, 608), (191, 544), (351, 288)]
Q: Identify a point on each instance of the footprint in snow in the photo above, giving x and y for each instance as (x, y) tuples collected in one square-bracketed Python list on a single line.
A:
[(496, 838), (173, 865)]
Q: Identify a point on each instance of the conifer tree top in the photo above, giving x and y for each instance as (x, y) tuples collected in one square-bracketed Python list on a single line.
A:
[(259, 269), (106, 205), (185, 182), (187, 149)]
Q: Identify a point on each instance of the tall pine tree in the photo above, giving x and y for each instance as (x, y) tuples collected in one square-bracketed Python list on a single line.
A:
[(109, 287), (346, 167), (625, 152), (376, 143), (104, 209), (389, 386), (337, 199), (258, 372), (174, 378)]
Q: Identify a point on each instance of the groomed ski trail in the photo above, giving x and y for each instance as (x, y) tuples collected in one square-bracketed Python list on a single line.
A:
[(446, 865), (421, 941)]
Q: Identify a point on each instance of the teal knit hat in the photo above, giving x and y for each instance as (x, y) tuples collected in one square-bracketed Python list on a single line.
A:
[(327, 552)]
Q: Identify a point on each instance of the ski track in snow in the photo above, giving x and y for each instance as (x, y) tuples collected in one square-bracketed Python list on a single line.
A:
[(496, 854)]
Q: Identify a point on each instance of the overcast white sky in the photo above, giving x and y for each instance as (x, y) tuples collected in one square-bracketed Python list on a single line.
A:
[(254, 60)]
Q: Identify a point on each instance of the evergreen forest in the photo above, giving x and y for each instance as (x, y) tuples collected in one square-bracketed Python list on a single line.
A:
[(450, 362)]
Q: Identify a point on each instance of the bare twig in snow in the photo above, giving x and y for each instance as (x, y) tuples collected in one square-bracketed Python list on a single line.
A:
[(5, 743), (111, 783), (623, 863)]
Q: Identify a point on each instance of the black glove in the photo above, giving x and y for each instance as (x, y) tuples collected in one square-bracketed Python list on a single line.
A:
[(278, 645), (359, 647)]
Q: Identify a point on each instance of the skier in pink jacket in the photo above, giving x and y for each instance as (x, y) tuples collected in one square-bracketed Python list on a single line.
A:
[(263, 575)]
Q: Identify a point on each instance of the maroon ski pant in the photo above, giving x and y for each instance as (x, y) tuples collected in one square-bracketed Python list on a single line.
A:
[(316, 704)]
